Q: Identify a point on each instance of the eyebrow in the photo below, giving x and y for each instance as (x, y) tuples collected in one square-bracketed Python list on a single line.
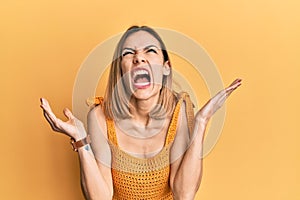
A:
[(147, 47), (127, 48), (151, 45)]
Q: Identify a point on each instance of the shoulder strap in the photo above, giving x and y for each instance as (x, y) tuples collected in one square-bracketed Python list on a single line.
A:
[(173, 124), (111, 131), (94, 101), (189, 110), (183, 96)]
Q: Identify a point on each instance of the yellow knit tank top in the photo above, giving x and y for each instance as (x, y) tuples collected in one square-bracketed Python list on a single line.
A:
[(142, 178)]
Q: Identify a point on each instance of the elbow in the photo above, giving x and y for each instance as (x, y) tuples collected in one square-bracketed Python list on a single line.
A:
[(181, 192), (185, 192), (183, 195), (90, 194), (99, 197)]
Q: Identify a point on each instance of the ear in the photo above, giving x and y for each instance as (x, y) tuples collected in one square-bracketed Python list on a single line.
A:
[(167, 68)]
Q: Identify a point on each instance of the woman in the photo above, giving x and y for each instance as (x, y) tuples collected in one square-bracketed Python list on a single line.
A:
[(154, 144)]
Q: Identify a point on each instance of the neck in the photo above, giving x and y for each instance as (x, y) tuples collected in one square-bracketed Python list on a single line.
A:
[(142, 108)]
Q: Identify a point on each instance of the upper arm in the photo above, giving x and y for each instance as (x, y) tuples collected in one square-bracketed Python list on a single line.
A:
[(96, 127), (97, 130), (180, 144)]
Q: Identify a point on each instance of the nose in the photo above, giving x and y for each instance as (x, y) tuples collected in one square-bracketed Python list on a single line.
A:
[(138, 58)]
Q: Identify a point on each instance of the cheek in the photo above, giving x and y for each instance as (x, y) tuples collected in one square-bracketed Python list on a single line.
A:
[(125, 66), (157, 75), (155, 59)]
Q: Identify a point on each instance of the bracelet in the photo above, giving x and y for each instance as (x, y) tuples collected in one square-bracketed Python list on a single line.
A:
[(80, 143)]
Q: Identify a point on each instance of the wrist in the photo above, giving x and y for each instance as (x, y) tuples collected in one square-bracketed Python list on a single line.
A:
[(202, 120), (76, 144), (79, 136)]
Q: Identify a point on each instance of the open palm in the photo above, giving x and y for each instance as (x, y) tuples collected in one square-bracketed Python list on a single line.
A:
[(72, 127), (207, 111)]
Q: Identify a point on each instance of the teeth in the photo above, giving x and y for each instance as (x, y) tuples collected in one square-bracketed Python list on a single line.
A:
[(140, 72), (142, 84)]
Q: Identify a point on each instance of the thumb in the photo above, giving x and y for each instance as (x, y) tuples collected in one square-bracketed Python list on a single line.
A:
[(68, 113)]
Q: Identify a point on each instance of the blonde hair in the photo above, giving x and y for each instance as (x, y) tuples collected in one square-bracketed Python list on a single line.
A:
[(117, 96)]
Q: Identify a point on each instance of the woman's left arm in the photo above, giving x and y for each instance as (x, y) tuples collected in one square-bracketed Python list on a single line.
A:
[(189, 173)]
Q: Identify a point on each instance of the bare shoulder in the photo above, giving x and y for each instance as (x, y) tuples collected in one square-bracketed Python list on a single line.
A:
[(96, 118), (96, 111)]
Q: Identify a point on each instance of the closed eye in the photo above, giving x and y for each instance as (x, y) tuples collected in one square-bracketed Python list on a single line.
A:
[(126, 53), (151, 50)]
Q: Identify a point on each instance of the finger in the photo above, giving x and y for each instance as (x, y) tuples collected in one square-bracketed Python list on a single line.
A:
[(235, 83), (228, 93), (220, 93), (45, 105), (222, 101), (233, 86), (43, 101), (68, 114), (238, 80), (222, 98), (53, 124), (49, 115)]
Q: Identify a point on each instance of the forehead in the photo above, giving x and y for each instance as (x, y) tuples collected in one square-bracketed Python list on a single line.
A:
[(140, 39)]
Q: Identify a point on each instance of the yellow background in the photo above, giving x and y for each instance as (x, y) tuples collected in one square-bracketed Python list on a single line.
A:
[(43, 44)]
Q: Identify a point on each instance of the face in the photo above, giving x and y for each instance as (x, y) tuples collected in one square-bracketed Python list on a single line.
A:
[(143, 65)]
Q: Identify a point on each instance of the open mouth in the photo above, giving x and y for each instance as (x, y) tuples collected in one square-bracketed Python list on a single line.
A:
[(141, 78)]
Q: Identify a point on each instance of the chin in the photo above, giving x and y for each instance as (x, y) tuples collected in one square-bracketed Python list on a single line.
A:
[(145, 94)]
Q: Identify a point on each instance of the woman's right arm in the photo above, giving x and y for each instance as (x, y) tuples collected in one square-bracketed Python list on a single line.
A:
[(95, 177)]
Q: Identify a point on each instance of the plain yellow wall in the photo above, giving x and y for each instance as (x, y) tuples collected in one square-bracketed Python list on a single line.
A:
[(43, 44)]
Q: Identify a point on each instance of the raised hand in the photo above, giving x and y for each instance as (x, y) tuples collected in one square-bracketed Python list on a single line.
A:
[(73, 127), (207, 111)]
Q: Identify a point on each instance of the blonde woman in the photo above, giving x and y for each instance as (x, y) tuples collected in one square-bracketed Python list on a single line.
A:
[(142, 141)]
